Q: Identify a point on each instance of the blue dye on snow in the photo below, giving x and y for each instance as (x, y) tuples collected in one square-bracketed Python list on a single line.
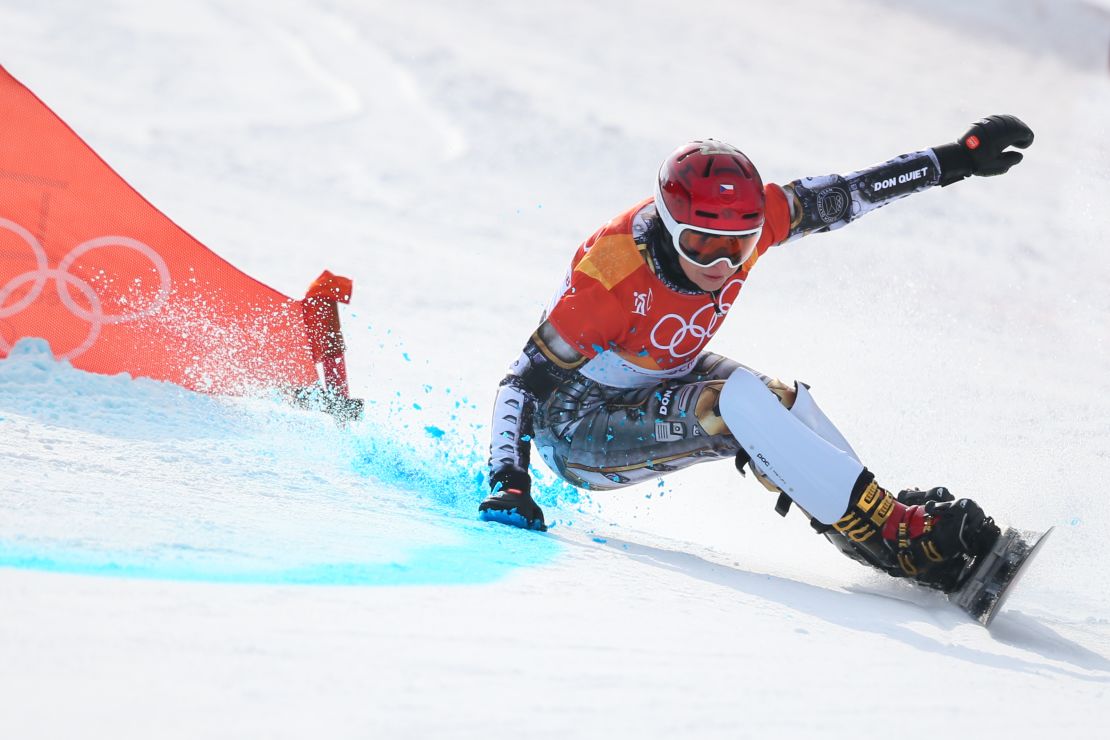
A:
[(484, 554), (407, 516)]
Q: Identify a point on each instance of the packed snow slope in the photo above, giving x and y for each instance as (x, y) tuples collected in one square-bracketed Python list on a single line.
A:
[(173, 565)]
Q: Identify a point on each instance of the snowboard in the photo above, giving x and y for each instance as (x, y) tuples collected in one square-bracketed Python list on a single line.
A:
[(995, 575)]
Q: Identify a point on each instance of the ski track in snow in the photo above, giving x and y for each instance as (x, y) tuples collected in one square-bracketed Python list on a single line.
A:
[(174, 565)]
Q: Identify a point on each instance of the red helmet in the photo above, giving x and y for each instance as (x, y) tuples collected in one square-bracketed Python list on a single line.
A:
[(710, 198)]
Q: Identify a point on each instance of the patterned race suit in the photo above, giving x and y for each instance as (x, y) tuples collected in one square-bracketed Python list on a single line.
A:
[(615, 386)]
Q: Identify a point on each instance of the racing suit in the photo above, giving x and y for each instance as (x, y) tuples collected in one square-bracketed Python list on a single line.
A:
[(615, 386)]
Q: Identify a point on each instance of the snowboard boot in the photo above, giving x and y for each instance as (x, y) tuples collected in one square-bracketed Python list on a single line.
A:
[(928, 536)]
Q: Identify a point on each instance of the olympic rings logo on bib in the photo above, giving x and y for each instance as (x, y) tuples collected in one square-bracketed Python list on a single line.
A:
[(682, 337), (65, 282)]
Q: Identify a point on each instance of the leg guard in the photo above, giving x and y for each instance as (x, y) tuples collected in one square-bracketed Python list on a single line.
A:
[(924, 535), (810, 414), (798, 452)]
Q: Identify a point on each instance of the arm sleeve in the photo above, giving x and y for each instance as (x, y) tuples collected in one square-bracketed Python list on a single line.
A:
[(819, 204), (582, 322), (546, 362)]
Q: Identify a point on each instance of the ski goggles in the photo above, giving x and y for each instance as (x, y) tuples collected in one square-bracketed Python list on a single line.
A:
[(706, 247)]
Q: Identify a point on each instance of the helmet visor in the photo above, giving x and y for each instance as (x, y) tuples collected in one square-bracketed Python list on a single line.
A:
[(705, 248)]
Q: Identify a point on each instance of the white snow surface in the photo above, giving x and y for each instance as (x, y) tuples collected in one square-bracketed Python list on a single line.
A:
[(173, 565)]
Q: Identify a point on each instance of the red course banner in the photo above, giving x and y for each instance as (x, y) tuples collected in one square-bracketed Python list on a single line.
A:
[(115, 286)]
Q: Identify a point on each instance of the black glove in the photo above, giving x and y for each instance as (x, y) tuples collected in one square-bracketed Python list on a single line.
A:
[(982, 150), (512, 507), (511, 500)]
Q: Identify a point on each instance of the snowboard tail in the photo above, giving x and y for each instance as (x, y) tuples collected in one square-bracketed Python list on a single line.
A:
[(996, 573)]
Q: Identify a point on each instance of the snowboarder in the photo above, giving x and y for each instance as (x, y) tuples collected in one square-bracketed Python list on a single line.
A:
[(615, 386)]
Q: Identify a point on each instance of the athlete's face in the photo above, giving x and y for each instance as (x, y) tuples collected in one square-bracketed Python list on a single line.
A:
[(708, 278)]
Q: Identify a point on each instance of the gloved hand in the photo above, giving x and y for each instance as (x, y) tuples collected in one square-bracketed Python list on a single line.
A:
[(511, 502), (982, 150), (512, 507)]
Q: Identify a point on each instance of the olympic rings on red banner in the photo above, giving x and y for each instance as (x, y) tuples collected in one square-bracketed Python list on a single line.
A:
[(65, 282)]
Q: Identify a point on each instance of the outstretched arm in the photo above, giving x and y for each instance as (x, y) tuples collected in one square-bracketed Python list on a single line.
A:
[(820, 204)]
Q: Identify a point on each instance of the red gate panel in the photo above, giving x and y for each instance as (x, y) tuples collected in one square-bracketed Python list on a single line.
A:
[(115, 286)]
